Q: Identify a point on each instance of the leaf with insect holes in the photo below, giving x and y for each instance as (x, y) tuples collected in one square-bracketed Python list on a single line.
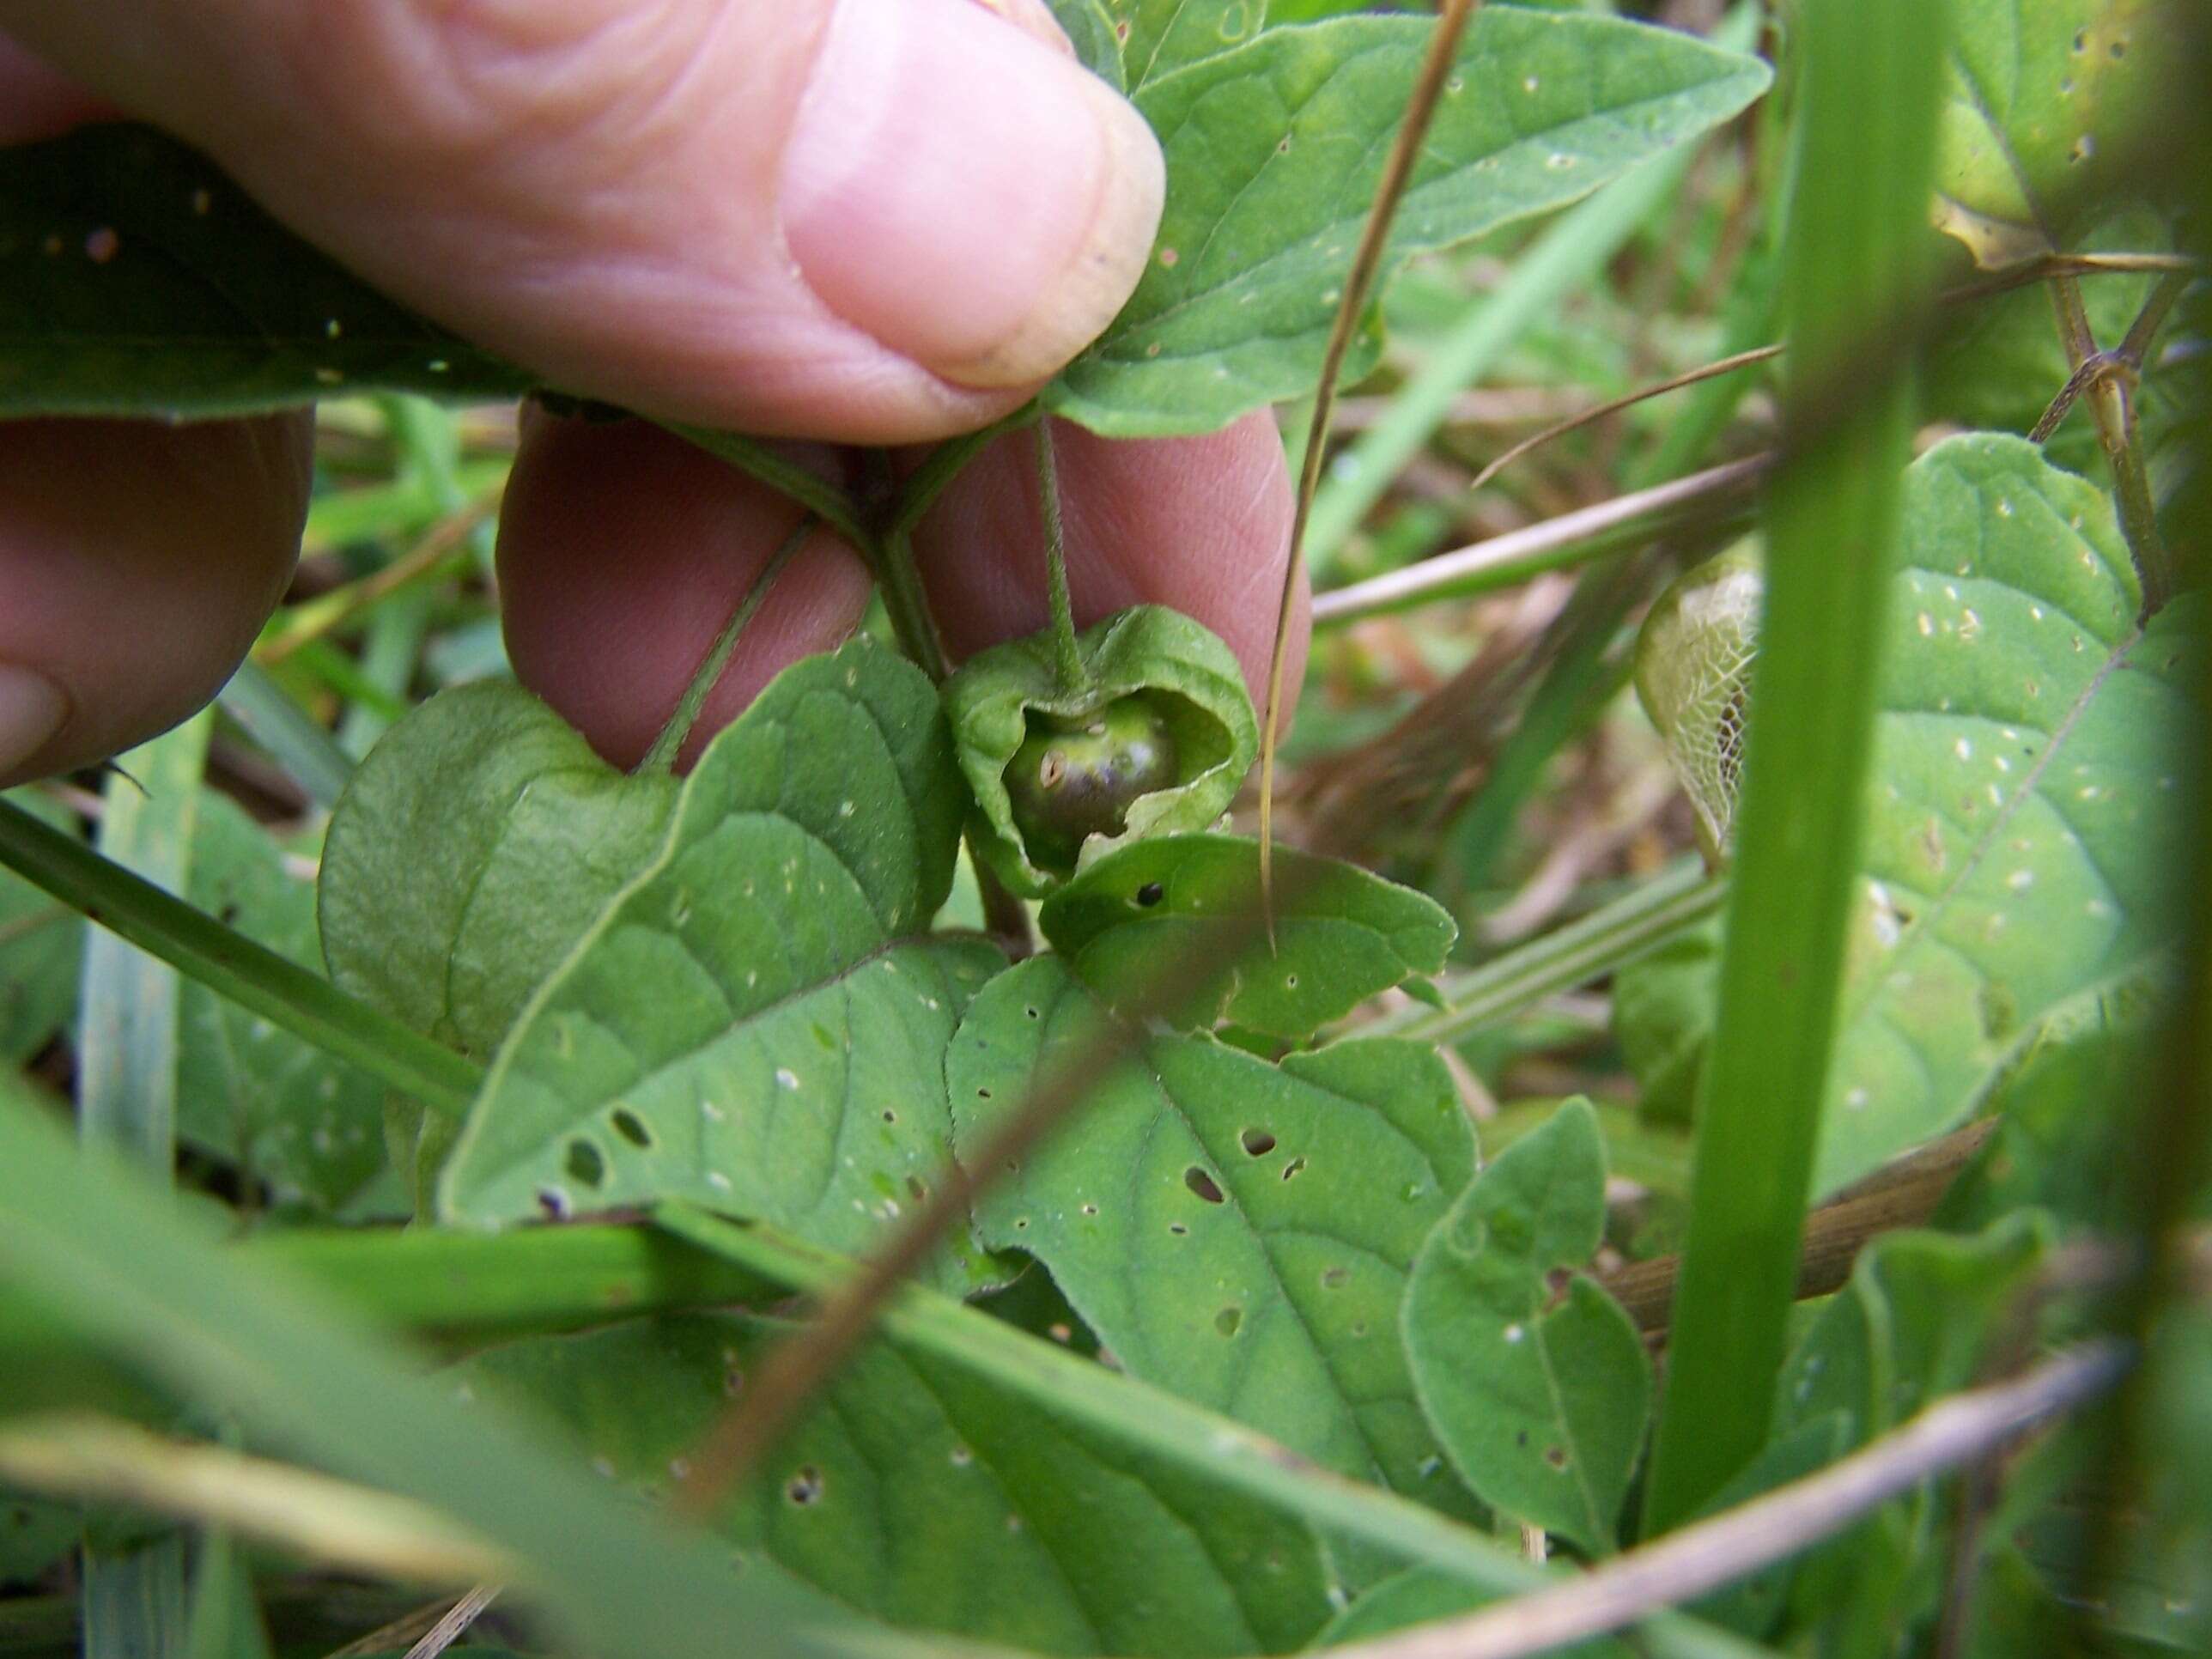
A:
[(1273, 149), (1149, 661), (136, 279), (1341, 933), (1540, 1400), (472, 849), (925, 1496), (1236, 1232), (755, 1024), (2043, 97), (41, 950), (285, 1113), (2024, 829)]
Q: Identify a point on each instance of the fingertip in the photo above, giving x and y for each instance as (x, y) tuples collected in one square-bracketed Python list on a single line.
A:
[(624, 550), (138, 562)]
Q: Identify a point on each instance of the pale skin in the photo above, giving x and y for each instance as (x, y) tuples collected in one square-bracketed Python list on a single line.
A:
[(833, 222)]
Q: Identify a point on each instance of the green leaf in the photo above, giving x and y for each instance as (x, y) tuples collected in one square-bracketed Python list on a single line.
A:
[(1752, 1606), (283, 1111), (41, 952), (474, 845), (34, 1533), (1908, 1328), (1662, 1018), (1274, 149), (2024, 833), (1160, 36), (2055, 1149), (1089, 28), (929, 1498), (1421, 1597), (1178, 669), (146, 1283), (2021, 852), (1911, 1326), (1236, 1232), (2040, 95), (1542, 1408), (135, 279), (1341, 935), (749, 1025)]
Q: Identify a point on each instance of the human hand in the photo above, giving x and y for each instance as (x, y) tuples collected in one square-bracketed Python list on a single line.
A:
[(878, 221)]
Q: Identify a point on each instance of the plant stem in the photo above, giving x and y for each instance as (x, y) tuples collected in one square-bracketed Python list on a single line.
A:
[(826, 502), (1564, 257), (436, 1282), (1721, 494), (2113, 407), (234, 966), (1452, 18), (1074, 676), (907, 602), (1871, 76), (1560, 961), (660, 759), (946, 462)]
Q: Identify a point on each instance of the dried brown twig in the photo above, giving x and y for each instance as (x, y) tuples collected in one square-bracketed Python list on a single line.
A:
[(1366, 261), (1706, 1555)]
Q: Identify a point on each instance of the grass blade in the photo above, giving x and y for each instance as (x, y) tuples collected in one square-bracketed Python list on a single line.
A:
[(1867, 99), (265, 711), (304, 1004), (133, 1277), (134, 1590)]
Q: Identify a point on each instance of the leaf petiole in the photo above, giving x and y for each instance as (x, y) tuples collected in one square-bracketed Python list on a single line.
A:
[(1074, 676), (660, 759)]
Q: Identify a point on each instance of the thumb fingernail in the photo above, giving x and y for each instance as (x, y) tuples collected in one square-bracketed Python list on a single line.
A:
[(32, 710), (969, 198)]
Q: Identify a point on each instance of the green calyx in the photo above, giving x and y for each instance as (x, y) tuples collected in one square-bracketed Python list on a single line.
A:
[(1693, 661), (1154, 741)]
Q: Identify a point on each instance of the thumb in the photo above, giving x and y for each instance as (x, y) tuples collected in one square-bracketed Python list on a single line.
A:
[(869, 221)]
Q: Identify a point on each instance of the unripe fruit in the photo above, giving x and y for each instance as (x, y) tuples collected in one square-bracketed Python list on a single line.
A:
[(1073, 779)]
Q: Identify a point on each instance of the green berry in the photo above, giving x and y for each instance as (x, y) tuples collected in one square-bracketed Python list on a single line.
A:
[(1076, 778)]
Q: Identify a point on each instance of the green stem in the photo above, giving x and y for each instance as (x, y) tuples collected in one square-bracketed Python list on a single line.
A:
[(908, 602), (1573, 955), (660, 759), (826, 502), (430, 1281), (1074, 676), (1714, 500), (1871, 76), (2114, 411), (233, 966), (946, 462)]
